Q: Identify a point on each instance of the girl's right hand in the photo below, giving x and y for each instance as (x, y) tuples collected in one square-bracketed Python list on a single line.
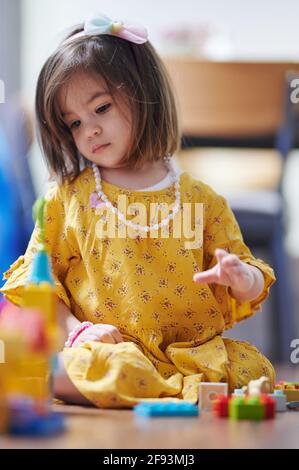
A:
[(102, 332)]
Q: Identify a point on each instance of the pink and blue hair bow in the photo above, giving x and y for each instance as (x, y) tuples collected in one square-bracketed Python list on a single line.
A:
[(101, 24)]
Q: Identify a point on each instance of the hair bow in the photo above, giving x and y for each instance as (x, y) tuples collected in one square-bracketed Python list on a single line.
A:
[(101, 24)]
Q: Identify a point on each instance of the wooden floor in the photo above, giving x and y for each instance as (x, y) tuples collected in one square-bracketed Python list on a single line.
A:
[(120, 429)]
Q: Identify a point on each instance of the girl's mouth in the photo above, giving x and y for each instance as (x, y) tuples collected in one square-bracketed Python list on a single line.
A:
[(99, 148)]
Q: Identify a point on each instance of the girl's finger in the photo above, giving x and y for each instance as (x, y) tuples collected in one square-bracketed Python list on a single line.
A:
[(231, 261), (106, 337), (81, 340), (220, 254), (113, 332), (232, 270), (205, 277), (117, 336)]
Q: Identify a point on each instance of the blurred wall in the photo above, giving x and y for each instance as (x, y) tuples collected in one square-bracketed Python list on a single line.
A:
[(257, 30), (10, 36)]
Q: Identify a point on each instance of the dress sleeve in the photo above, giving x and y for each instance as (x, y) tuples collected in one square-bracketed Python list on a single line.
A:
[(57, 246), (222, 231)]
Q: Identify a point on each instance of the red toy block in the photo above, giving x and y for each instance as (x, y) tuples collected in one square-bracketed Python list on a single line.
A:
[(220, 406), (270, 406)]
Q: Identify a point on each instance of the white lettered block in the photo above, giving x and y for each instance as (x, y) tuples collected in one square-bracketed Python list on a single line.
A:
[(208, 392)]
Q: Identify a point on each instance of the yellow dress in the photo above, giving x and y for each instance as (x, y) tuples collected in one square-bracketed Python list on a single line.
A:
[(172, 327)]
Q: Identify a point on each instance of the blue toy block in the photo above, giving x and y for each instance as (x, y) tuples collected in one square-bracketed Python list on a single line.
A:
[(166, 409), (238, 392), (25, 421), (38, 426), (280, 400), (293, 405)]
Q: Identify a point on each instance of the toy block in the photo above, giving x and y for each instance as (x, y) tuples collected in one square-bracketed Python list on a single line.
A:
[(31, 338), (258, 387), (238, 392), (287, 384), (292, 395), (40, 295), (208, 392), (220, 406), (249, 408), (293, 405), (24, 420), (3, 386), (26, 369), (270, 406), (280, 400), (158, 409), (290, 389), (3, 409)]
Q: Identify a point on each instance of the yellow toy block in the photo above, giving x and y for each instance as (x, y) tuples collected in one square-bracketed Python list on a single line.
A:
[(290, 389), (25, 369), (3, 403), (42, 298)]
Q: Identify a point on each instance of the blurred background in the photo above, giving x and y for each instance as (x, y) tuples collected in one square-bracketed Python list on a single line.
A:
[(232, 65)]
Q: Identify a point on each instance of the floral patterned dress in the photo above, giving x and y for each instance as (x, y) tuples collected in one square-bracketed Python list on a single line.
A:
[(172, 327)]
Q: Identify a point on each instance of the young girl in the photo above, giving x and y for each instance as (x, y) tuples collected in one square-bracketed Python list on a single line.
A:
[(148, 311)]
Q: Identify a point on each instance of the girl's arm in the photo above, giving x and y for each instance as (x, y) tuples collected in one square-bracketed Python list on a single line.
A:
[(66, 320), (256, 289), (99, 332), (63, 387), (245, 281)]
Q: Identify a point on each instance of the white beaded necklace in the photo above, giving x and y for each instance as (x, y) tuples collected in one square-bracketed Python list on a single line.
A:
[(121, 216)]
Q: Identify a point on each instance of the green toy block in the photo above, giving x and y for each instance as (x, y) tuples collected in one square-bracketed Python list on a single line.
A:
[(246, 408)]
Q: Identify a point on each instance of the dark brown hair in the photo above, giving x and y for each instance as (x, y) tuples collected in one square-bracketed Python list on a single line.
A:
[(135, 71)]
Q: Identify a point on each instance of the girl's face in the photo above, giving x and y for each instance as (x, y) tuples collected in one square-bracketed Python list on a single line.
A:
[(100, 128)]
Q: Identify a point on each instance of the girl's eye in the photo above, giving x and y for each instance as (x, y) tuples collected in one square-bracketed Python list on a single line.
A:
[(104, 108), (100, 110), (74, 124)]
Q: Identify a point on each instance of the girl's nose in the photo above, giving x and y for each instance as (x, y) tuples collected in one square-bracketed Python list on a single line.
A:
[(93, 131)]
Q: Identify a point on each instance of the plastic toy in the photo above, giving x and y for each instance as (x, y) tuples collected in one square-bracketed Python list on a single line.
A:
[(158, 409), (269, 406), (238, 392), (257, 387), (280, 400), (252, 408), (290, 389), (293, 405), (208, 392), (244, 407), (30, 335), (40, 292), (220, 406), (3, 404), (25, 420)]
